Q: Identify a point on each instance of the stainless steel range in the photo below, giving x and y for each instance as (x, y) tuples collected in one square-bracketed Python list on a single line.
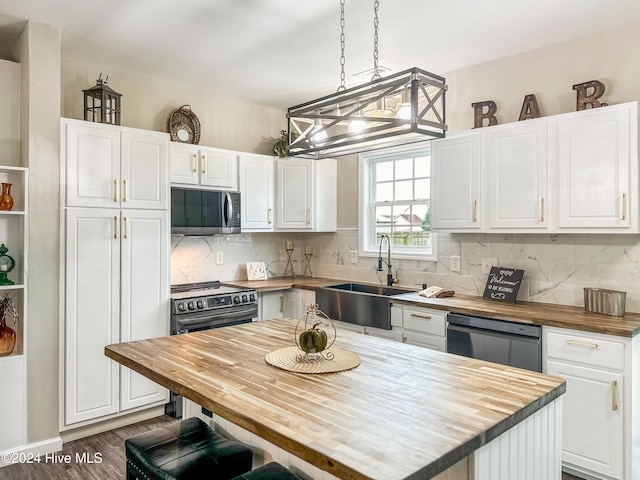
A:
[(206, 305), (201, 306)]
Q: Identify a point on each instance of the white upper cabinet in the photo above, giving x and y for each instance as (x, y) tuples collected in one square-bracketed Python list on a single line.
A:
[(597, 165), (455, 189), (517, 193), (256, 183), (112, 167), (570, 173), (204, 166), (306, 198)]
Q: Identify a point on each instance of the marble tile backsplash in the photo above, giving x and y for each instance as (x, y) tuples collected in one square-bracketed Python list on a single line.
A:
[(557, 267)]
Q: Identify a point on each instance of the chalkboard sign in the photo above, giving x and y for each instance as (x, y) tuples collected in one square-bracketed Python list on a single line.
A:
[(503, 284)]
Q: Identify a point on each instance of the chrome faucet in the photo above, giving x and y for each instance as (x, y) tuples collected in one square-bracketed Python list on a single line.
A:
[(390, 279)]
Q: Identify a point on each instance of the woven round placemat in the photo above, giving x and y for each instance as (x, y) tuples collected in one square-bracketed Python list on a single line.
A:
[(285, 358)]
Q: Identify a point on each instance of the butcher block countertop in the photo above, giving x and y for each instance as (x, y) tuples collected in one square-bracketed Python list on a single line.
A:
[(546, 314), (405, 412)]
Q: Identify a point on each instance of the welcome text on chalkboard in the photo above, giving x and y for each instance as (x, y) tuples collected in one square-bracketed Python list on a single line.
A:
[(503, 284)]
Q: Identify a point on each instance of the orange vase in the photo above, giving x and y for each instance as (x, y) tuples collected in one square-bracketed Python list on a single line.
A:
[(7, 338), (6, 200)]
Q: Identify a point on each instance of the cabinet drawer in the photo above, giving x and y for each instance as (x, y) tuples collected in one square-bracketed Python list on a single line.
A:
[(423, 320), (428, 341), (587, 350)]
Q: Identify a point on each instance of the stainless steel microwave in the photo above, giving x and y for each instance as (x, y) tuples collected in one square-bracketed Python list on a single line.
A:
[(204, 212)]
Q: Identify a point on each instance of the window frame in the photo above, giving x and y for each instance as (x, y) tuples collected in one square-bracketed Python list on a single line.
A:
[(366, 208)]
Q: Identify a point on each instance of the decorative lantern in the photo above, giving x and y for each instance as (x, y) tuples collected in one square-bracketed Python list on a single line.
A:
[(7, 263), (102, 103)]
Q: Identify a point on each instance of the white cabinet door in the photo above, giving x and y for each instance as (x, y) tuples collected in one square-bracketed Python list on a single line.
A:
[(295, 194), (423, 340), (144, 170), (92, 162), (109, 166), (592, 418), (256, 186), (184, 163), (218, 168), (517, 193), (307, 297), (92, 313), (598, 169), (455, 185), (270, 305), (145, 296), (291, 304), (394, 334)]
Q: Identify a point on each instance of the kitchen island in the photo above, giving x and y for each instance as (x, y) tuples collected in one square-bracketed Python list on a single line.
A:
[(403, 413)]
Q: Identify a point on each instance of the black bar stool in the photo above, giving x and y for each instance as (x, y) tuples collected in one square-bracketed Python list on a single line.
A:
[(186, 450), (270, 471)]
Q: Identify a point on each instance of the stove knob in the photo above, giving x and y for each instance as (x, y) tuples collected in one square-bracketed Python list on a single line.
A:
[(244, 299), (236, 299), (182, 307), (191, 305), (200, 304), (252, 297)]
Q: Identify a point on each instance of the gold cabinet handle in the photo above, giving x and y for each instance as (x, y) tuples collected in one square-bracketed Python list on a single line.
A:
[(125, 191), (417, 315), (474, 211), (126, 227), (195, 162), (541, 209), (367, 333), (116, 193), (582, 344), (614, 395), (281, 303), (204, 164), (308, 215), (623, 206), (270, 216), (404, 339), (115, 227)]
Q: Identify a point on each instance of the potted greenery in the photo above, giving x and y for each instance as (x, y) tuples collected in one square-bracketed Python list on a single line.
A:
[(7, 334)]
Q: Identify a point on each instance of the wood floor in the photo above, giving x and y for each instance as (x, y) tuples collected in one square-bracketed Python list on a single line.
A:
[(108, 446)]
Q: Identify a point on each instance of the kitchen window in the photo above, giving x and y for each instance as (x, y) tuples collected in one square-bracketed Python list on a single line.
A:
[(395, 198)]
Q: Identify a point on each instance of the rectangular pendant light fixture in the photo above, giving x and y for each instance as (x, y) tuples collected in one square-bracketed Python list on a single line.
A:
[(399, 109)]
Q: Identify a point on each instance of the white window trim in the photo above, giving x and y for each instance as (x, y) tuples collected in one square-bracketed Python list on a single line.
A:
[(365, 212)]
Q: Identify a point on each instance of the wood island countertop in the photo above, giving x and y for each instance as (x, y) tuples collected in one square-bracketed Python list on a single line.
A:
[(405, 412), (545, 314)]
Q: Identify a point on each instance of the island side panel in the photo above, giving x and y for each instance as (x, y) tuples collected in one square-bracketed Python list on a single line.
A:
[(531, 450)]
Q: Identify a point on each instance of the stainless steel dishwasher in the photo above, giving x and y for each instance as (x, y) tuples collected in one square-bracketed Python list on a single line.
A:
[(499, 341)]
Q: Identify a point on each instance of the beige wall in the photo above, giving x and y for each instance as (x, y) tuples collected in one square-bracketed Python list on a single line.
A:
[(549, 73), (147, 103)]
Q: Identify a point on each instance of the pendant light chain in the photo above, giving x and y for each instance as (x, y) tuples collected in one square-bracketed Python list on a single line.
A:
[(342, 58), (376, 72)]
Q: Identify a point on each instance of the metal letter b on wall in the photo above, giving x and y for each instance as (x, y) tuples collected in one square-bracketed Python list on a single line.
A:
[(479, 116), (584, 101)]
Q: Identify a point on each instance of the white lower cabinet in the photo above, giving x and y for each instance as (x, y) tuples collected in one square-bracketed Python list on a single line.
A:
[(423, 327), (270, 305), (116, 290), (290, 303), (599, 424)]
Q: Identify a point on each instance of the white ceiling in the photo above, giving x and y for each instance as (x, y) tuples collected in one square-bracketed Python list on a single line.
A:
[(284, 52)]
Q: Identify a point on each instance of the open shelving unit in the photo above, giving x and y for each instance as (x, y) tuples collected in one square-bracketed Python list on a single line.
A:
[(13, 233)]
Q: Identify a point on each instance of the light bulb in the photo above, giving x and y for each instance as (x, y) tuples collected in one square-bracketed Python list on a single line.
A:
[(357, 126)]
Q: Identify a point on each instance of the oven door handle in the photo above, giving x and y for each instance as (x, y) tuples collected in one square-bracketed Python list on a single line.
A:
[(198, 318)]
